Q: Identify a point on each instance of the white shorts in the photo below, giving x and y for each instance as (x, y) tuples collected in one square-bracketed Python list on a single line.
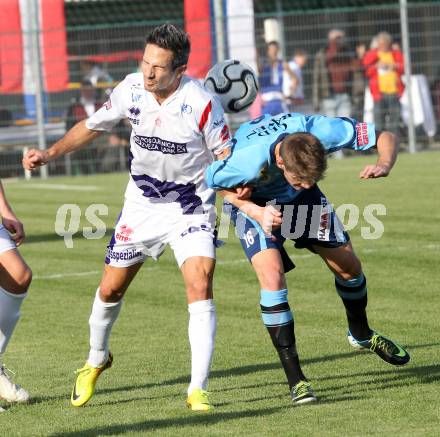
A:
[(6, 242), (144, 229)]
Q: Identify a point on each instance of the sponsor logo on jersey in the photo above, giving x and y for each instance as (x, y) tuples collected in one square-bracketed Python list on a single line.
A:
[(108, 105), (156, 144), (134, 121), (224, 134), (136, 97), (274, 125), (124, 233), (158, 122), (185, 108), (362, 134), (218, 123), (134, 111), (324, 222)]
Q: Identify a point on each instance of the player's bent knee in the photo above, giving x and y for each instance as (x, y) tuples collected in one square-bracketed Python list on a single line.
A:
[(21, 281), (107, 293), (199, 289), (26, 279), (351, 271), (272, 277)]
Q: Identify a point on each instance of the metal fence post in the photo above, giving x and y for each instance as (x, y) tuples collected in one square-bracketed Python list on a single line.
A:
[(36, 68), (218, 29), (280, 19), (407, 63)]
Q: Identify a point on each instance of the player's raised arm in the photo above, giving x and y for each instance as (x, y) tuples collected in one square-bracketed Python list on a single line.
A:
[(74, 139), (82, 133), (387, 147), (268, 216), (9, 219)]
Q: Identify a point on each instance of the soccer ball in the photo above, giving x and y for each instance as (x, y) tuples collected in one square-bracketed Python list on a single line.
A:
[(234, 82)]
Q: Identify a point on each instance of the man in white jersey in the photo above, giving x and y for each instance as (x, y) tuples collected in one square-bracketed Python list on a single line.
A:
[(15, 278), (177, 128)]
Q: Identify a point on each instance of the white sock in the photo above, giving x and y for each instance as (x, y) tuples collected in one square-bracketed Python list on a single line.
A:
[(9, 314), (104, 314), (201, 332)]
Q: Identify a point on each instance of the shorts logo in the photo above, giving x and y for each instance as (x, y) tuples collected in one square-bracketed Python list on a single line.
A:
[(324, 222), (124, 233), (193, 229), (185, 109), (123, 256), (156, 144), (362, 134), (134, 111)]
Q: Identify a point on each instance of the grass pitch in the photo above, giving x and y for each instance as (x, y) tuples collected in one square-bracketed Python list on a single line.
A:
[(145, 390)]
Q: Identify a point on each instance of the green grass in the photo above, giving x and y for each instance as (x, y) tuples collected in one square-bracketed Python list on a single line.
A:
[(145, 390)]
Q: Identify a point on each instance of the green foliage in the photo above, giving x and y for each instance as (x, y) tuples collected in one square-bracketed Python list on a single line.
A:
[(145, 390)]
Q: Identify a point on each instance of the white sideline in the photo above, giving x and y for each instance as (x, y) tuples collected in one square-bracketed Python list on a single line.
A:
[(61, 187), (95, 272), (223, 263)]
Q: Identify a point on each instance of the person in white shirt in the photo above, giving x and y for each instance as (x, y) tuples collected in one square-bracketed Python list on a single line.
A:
[(294, 89), (177, 129), (15, 278)]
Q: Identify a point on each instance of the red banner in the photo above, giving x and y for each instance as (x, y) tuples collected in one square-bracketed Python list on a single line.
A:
[(198, 26)]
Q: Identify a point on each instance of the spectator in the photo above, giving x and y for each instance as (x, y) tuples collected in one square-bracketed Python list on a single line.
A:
[(359, 83), (384, 69), (294, 90), (83, 107), (271, 80), (99, 78), (332, 77), (94, 73), (6, 118)]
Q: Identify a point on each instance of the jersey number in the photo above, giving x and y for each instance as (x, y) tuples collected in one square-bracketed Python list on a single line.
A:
[(249, 239)]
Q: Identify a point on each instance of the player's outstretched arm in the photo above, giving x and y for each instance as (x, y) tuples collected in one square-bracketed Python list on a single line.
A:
[(387, 147), (268, 217), (74, 139), (10, 220)]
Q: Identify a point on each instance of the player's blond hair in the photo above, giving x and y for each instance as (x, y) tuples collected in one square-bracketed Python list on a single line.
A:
[(304, 155)]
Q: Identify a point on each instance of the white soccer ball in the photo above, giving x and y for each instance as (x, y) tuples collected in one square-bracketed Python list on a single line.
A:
[(234, 82)]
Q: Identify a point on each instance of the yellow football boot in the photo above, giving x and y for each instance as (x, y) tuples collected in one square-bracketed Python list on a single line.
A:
[(84, 386), (198, 400)]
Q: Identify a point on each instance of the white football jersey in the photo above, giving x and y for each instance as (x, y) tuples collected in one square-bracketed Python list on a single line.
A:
[(171, 143)]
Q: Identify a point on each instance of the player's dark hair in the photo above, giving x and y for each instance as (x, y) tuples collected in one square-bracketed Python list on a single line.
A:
[(273, 43), (169, 37), (86, 82), (304, 155)]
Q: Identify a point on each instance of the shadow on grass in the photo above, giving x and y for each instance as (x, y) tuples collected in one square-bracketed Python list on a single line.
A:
[(397, 376), (51, 237), (202, 420), (253, 368)]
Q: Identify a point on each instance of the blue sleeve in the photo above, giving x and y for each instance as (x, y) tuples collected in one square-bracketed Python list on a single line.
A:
[(240, 168), (341, 132)]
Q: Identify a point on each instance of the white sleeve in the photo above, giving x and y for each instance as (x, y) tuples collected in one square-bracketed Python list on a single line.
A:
[(214, 128), (110, 113)]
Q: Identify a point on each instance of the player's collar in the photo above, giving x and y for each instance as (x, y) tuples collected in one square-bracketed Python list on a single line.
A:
[(273, 158)]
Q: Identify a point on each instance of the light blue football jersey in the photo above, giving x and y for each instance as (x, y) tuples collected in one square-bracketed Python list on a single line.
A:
[(252, 161)]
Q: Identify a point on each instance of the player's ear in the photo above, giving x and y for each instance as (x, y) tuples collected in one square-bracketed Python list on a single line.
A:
[(280, 163), (180, 70)]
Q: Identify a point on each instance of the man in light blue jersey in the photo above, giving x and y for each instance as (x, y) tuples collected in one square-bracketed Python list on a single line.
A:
[(269, 181)]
